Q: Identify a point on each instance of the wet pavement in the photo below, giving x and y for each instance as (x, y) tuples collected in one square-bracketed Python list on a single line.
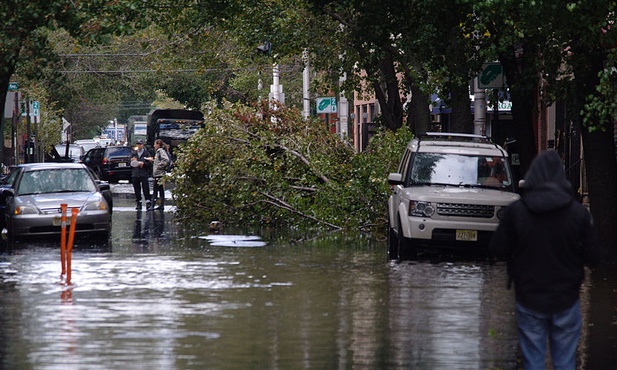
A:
[(162, 296)]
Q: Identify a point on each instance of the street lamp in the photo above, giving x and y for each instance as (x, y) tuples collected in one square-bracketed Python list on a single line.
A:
[(276, 89), (265, 48)]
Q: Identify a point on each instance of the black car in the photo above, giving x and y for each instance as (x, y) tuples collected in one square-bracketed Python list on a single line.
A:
[(111, 163)]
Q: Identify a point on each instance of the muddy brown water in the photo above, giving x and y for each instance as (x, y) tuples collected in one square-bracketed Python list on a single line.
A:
[(162, 297)]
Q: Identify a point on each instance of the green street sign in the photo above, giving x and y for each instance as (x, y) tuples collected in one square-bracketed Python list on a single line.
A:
[(13, 86), (491, 76), (326, 105)]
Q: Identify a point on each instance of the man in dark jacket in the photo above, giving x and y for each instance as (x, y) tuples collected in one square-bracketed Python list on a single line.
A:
[(140, 160), (547, 237)]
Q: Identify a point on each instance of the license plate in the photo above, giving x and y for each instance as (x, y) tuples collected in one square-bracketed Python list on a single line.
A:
[(467, 235), (57, 221), (121, 164)]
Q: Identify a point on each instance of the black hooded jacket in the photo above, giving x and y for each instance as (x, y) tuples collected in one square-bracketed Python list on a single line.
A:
[(547, 237)]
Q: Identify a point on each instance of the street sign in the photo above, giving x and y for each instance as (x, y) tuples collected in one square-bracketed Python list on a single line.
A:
[(491, 76), (326, 105), (13, 86), (34, 108)]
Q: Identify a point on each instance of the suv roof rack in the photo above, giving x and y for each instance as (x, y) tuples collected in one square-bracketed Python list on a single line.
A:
[(449, 136)]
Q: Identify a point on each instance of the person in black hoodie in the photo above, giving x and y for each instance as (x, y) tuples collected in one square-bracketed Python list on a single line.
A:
[(546, 238)]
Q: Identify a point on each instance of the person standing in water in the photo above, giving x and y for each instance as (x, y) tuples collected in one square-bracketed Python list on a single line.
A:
[(547, 237), (140, 174), (159, 168)]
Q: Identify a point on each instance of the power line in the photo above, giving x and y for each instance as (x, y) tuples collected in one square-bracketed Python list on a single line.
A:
[(104, 55), (139, 71), (197, 70)]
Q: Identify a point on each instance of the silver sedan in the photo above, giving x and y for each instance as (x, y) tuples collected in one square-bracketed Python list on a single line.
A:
[(32, 196)]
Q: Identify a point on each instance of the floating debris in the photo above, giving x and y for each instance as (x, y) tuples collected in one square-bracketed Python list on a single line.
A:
[(216, 226), (243, 241)]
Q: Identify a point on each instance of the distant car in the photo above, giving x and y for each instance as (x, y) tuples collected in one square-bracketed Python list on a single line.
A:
[(88, 144), (75, 151), (448, 194), (111, 163), (31, 198)]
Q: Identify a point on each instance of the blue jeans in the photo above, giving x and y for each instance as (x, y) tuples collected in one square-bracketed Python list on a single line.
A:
[(562, 329)]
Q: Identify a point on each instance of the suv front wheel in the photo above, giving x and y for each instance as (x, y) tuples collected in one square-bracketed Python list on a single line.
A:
[(392, 243), (400, 247)]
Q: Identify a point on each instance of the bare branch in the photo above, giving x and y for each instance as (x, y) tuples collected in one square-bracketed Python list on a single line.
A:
[(284, 205)]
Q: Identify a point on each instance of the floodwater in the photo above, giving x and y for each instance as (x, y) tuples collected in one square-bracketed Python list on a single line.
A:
[(163, 297)]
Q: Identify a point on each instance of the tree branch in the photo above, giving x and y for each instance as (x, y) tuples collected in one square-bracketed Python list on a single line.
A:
[(279, 203)]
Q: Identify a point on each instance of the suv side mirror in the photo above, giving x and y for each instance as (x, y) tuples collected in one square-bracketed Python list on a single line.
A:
[(395, 178)]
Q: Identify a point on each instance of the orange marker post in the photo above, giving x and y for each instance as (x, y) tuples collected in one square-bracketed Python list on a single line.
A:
[(69, 247), (63, 238)]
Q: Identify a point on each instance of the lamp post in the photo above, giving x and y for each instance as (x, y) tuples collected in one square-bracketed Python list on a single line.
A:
[(276, 89)]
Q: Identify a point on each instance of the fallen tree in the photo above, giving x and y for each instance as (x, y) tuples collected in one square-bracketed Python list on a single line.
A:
[(255, 165)]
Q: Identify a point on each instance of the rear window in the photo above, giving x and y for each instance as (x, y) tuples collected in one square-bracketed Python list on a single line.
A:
[(120, 151)]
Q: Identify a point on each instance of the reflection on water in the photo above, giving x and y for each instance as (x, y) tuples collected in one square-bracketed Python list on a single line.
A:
[(167, 298), (457, 313)]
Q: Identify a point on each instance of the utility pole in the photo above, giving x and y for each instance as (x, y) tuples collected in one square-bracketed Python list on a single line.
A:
[(27, 148), (479, 109), (343, 109), (276, 89), (16, 116), (306, 111)]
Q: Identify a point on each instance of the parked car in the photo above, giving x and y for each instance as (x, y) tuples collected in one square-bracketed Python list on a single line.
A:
[(111, 163), (448, 194), (73, 151), (32, 194), (87, 144)]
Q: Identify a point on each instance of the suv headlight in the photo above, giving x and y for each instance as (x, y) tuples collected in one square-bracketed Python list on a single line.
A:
[(500, 212), (421, 209)]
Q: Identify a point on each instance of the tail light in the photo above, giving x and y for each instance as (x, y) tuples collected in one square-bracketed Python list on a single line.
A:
[(104, 160)]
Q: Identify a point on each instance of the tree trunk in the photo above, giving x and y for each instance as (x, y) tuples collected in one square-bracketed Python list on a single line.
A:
[(419, 113), (461, 119), (601, 168), (4, 87), (599, 156), (388, 94), (524, 102)]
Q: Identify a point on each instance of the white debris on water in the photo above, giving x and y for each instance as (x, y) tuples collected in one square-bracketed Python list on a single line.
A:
[(239, 241)]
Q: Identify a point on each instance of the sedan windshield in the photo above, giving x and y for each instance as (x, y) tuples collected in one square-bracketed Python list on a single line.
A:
[(459, 170), (55, 181)]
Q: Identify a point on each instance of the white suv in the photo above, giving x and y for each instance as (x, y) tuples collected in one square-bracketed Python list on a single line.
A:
[(448, 194)]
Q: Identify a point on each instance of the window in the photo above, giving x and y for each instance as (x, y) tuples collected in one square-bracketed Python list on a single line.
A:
[(55, 181)]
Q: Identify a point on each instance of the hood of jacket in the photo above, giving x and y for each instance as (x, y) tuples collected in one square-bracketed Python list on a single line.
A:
[(547, 188)]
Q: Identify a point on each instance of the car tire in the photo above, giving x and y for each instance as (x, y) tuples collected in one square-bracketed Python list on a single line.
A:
[(406, 250), (10, 237), (110, 202), (103, 237), (392, 244)]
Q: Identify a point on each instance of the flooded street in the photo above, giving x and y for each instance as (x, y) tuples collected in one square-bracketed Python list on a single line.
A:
[(165, 298)]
